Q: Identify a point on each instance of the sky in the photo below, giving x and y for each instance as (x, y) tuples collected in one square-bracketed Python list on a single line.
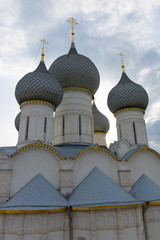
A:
[(106, 28)]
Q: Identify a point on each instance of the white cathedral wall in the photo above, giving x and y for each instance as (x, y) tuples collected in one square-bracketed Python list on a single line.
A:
[(30, 162), (144, 162), (152, 216), (84, 164), (46, 226), (117, 224)]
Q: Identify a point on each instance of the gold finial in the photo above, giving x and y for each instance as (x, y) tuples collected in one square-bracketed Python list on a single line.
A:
[(121, 54), (73, 22), (42, 54), (93, 99)]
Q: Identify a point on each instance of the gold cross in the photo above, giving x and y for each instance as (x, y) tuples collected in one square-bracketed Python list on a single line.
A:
[(42, 54), (73, 22), (121, 54)]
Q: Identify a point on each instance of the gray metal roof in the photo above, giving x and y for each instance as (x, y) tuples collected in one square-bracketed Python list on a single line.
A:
[(127, 94), (101, 123), (75, 70), (71, 150), (145, 189), (38, 193), (97, 189), (39, 85), (9, 150), (130, 152)]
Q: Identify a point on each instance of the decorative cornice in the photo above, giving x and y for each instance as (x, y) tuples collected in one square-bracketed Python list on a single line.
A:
[(129, 109), (37, 102), (33, 211), (79, 88), (100, 132), (106, 207), (145, 148), (38, 144), (154, 203), (95, 148)]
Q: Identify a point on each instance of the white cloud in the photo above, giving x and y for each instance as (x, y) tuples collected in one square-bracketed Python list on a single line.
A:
[(108, 27)]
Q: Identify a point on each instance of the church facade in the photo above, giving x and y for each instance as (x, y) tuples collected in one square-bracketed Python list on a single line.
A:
[(61, 181)]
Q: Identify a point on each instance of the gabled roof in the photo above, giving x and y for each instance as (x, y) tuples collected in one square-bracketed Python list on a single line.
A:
[(145, 189), (36, 194), (97, 189)]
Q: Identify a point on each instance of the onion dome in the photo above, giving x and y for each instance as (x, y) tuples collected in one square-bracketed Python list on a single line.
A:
[(17, 121), (127, 94), (74, 70), (101, 123), (39, 85)]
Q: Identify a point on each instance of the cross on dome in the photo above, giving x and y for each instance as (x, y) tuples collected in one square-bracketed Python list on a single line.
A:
[(73, 22), (121, 54), (42, 54)]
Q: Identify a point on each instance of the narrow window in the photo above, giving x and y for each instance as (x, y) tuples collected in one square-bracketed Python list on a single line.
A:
[(134, 131), (45, 124), (27, 127), (79, 124), (63, 123), (120, 132)]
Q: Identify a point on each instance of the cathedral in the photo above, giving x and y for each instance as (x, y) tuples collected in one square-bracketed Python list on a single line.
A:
[(61, 181)]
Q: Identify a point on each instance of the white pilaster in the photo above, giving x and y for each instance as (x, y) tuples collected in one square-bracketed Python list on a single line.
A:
[(44, 233), (20, 226), (119, 224), (2, 225)]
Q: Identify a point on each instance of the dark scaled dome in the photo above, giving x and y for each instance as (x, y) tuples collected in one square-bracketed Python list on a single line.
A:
[(127, 94), (17, 121), (39, 85), (101, 123), (75, 70)]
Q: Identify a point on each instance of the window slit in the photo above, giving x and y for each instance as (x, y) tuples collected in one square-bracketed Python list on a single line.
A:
[(120, 132), (45, 124), (63, 123), (27, 128), (134, 131), (79, 124)]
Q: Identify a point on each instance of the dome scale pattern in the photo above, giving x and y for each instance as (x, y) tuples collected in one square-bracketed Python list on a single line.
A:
[(101, 123), (127, 94), (39, 85), (75, 70)]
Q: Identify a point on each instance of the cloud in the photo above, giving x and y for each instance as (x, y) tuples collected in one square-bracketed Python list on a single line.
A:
[(153, 129), (105, 29)]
